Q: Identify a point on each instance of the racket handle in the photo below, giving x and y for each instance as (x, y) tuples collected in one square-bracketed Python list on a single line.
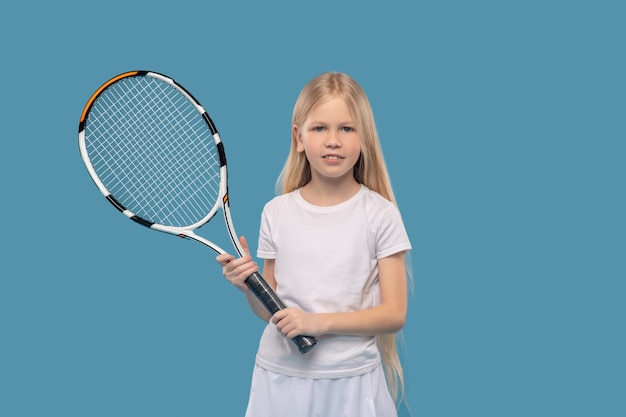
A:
[(272, 303)]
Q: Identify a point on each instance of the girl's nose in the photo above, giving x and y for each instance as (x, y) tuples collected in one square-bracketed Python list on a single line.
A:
[(332, 140)]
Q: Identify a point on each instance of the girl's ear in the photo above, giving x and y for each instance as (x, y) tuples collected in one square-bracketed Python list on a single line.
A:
[(298, 137)]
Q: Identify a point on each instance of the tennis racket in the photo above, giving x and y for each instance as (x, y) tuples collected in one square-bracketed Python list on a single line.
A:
[(156, 155)]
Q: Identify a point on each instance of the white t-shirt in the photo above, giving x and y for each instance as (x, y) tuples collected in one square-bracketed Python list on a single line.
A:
[(326, 262)]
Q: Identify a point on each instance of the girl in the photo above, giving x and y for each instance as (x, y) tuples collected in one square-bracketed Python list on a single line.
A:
[(333, 246)]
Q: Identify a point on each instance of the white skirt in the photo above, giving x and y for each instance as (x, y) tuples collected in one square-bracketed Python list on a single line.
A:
[(276, 395)]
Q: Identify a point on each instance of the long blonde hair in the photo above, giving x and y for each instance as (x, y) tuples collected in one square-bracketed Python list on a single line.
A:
[(370, 170)]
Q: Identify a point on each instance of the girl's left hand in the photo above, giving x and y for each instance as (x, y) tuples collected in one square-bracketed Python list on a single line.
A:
[(294, 322)]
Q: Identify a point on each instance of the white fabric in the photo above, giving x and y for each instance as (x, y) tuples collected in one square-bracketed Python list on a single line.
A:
[(326, 261), (276, 395)]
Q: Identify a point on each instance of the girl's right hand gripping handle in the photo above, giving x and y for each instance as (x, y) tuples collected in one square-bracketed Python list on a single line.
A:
[(270, 300)]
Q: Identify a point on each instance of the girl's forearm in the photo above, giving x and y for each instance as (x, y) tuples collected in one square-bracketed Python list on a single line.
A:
[(257, 307), (371, 322)]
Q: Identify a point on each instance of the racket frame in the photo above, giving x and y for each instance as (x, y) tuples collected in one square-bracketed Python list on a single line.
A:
[(262, 290)]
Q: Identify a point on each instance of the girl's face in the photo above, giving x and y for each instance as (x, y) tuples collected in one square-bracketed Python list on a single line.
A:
[(329, 139)]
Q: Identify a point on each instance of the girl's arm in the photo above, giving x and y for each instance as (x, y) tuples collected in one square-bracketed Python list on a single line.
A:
[(388, 317), (256, 306), (236, 270)]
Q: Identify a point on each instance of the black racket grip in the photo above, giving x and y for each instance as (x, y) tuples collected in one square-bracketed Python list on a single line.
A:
[(270, 300)]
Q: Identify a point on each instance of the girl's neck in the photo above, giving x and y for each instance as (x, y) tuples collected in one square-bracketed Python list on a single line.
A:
[(324, 194)]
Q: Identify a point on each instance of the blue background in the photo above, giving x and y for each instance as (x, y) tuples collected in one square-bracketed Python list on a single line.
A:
[(503, 127)]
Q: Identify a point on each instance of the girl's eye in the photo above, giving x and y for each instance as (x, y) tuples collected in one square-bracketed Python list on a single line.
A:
[(347, 129), (318, 128)]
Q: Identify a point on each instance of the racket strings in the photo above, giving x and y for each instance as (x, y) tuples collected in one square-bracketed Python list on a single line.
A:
[(154, 152)]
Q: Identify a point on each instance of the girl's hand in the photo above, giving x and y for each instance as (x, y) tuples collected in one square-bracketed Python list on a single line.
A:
[(236, 270), (292, 322)]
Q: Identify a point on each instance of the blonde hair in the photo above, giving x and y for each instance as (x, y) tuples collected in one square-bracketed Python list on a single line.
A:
[(370, 170)]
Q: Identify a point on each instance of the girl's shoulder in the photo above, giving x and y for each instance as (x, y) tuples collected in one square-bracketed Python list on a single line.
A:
[(374, 200), (379, 211), (280, 201)]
